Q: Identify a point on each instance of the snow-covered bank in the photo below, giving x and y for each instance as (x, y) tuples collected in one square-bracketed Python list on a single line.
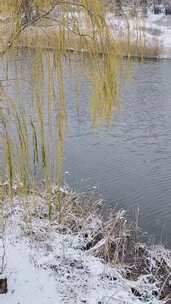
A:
[(150, 31), (48, 262), (155, 30), (149, 36)]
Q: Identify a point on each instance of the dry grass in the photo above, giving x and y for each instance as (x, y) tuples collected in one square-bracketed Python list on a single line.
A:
[(114, 239), (48, 37)]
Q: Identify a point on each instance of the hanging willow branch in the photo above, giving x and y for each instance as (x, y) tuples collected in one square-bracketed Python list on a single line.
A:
[(38, 134), (96, 16)]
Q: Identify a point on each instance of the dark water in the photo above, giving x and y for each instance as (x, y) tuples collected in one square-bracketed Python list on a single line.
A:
[(129, 163)]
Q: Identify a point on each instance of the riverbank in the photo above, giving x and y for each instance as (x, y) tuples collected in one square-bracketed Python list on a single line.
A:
[(133, 36), (77, 256)]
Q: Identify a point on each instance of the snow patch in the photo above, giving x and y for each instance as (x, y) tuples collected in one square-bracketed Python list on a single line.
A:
[(45, 266)]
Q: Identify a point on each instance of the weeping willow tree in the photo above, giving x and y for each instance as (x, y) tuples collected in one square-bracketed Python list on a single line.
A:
[(29, 132)]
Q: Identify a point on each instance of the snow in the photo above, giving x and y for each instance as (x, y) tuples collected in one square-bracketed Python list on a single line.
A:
[(156, 28), (27, 284), (45, 266)]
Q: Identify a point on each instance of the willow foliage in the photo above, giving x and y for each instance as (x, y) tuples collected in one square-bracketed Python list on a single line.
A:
[(29, 137)]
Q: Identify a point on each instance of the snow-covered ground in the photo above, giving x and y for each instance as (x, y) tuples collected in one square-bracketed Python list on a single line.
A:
[(48, 266), (158, 27), (156, 30)]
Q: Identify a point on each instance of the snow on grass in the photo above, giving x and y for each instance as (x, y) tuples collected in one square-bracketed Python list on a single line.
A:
[(46, 266), (26, 283), (156, 30)]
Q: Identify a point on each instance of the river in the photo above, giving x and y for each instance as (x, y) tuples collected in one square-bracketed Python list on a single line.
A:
[(129, 161)]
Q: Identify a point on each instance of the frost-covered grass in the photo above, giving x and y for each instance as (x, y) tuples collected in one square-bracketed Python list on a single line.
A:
[(63, 260)]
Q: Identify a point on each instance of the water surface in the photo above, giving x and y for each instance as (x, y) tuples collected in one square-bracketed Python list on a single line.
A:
[(128, 162)]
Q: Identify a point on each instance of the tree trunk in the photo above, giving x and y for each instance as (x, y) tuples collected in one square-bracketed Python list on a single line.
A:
[(29, 12), (26, 10)]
